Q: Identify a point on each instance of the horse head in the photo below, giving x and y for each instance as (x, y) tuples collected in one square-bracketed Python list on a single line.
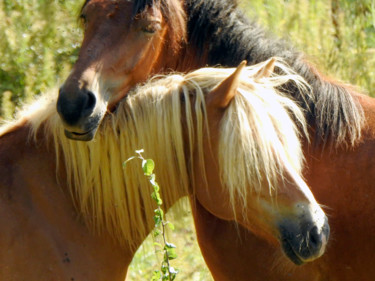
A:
[(122, 46), (269, 198)]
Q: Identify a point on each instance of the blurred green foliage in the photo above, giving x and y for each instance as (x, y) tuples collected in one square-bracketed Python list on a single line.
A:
[(338, 35), (39, 42)]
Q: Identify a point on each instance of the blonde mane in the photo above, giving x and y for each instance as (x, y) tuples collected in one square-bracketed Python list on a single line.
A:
[(259, 141)]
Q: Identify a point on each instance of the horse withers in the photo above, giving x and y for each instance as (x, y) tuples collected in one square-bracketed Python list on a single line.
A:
[(70, 212)]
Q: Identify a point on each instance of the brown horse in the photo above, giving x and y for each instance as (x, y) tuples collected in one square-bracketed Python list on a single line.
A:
[(125, 41), (70, 212)]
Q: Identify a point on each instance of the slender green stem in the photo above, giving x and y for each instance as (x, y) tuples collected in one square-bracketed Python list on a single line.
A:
[(167, 272)]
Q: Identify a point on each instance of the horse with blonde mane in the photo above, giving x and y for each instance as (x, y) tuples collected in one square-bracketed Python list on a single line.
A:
[(127, 41), (70, 212)]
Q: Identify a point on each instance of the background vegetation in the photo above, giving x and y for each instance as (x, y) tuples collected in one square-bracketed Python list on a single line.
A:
[(39, 41)]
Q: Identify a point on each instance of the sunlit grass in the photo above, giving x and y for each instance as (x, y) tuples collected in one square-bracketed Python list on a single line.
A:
[(39, 43), (340, 41)]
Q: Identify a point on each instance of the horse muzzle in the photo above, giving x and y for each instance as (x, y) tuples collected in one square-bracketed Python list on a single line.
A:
[(303, 240), (79, 113)]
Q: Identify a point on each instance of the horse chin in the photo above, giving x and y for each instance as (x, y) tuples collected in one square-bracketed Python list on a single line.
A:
[(87, 136), (84, 130), (290, 253)]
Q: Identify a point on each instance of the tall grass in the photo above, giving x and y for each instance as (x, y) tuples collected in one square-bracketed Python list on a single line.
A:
[(338, 35), (39, 42)]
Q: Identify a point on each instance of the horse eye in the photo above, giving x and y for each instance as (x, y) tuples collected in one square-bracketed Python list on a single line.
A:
[(151, 28)]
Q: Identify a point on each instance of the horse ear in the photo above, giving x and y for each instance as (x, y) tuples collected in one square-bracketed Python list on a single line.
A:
[(223, 93), (266, 70)]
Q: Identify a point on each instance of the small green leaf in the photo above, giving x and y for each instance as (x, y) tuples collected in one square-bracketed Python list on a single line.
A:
[(156, 275), (156, 197), (159, 212), (156, 233), (159, 202), (148, 166), (170, 225), (156, 187), (157, 220), (172, 253), (164, 267), (156, 244)]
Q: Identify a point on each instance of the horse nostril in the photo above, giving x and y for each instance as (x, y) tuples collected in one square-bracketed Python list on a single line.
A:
[(91, 100), (315, 238), (89, 105)]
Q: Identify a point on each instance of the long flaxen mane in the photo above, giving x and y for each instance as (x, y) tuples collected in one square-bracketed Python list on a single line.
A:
[(259, 141)]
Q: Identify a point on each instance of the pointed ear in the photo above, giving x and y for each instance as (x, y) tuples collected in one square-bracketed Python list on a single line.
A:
[(266, 70), (223, 93)]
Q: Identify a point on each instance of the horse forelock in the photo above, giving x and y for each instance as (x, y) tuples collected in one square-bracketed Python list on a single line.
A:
[(220, 32), (258, 126), (262, 127)]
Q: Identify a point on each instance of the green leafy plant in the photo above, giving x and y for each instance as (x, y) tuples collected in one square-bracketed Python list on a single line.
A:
[(166, 272)]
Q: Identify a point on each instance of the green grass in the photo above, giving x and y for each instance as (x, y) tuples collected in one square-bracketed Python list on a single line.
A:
[(40, 41), (341, 41)]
